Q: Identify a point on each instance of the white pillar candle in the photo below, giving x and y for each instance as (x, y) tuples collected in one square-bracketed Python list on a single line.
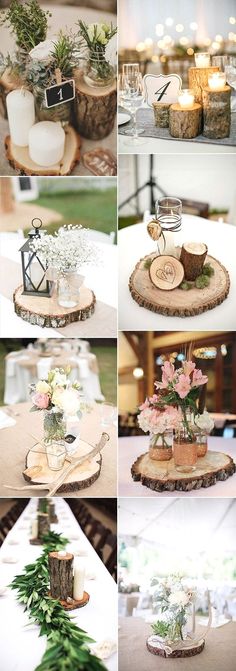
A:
[(62, 553), (186, 99), (79, 576), (21, 115), (46, 143), (217, 81), (202, 60), (36, 275), (34, 529)]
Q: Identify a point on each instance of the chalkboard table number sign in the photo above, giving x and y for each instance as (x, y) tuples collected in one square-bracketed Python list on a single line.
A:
[(161, 88), (60, 93)]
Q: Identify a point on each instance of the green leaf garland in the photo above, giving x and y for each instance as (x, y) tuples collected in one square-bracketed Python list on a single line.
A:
[(67, 645)]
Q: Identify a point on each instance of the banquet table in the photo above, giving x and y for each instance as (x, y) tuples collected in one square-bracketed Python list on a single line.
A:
[(21, 647), (26, 367), (62, 18), (218, 654), (129, 449), (16, 441), (101, 323), (135, 243)]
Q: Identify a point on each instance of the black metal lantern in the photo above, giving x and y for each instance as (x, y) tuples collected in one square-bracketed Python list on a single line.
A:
[(33, 270)]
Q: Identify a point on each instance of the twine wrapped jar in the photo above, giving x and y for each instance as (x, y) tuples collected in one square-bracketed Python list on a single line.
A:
[(160, 446), (185, 449)]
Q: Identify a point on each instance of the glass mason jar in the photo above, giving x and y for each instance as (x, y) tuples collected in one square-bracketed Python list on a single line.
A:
[(169, 217), (54, 426), (185, 448), (62, 112), (68, 289), (98, 71), (160, 445), (201, 443)]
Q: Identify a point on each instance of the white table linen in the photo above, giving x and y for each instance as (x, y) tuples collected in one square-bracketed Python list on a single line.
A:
[(135, 243), (21, 647), (129, 449)]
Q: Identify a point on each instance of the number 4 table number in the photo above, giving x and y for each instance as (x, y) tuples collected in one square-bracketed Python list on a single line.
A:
[(60, 93), (161, 88)]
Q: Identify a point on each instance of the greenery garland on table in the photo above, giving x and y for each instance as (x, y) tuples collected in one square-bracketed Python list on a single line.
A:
[(67, 645)]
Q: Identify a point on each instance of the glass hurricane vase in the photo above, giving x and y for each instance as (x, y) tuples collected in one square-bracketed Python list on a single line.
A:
[(98, 71), (201, 443), (160, 446), (54, 426)]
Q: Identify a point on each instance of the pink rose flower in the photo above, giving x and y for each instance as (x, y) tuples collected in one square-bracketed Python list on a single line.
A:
[(183, 386), (198, 378), (188, 367), (41, 401)]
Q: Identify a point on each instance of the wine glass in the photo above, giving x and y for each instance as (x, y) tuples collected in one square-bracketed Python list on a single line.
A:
[(130, 69), (134, 91)]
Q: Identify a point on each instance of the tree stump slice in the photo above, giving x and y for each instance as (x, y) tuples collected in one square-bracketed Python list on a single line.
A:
[(72, 604), (61, 575), (53, 519), (192, 257), (95, 109), (81, 477), (162, 476), (47, 313), (166, 272), (20, 160), (161, 114), (178, 303), (198, 79), (185, 123), (191, 651), (8, 83), (216, 113), (43, 524)]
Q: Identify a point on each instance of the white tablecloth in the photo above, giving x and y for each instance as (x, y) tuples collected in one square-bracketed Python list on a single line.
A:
[(131, 448), (21, 647), (135, 243)]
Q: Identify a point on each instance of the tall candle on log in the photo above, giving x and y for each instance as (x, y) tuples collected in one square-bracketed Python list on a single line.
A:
[(61, 575), (198, 79), (21, 115), (216, 112), (185, 122), (79, 577), (192, 257)]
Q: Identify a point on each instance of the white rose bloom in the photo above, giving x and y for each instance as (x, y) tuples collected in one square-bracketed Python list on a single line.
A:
[(59, 380), (204, 422), (42, 51), (69, 401), (179, 598), (42, 387)]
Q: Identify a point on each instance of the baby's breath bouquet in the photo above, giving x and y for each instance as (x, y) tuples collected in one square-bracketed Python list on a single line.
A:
[(67, 250), (96, 44)]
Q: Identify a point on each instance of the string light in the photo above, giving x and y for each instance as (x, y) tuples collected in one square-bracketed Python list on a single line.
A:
[(232, 20), (140, 46), (159, 29), (148, 42), (184, 41), (215, 46), (218, 38), (193, 25), (138, 373), (179, 28), (169, 21), (190, 51)]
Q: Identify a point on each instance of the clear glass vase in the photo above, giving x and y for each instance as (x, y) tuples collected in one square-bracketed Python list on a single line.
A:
[(160, 446), (56, 454), (98, 71), (185, 448), (54, 426), (68, 289), (201, 443)]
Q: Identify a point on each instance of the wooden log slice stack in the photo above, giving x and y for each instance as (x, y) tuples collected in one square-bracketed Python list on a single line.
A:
[(61, 575), (161, 114), (185, 123), (198, 79), (192, 257), (95, 109), (216, 113)]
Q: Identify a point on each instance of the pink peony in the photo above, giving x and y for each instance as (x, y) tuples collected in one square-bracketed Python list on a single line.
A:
[(41, 400), (198, 378), (183, 386), (188, 367)]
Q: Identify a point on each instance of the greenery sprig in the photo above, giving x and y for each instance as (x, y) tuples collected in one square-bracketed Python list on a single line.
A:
[(27, 21), (67, 645)]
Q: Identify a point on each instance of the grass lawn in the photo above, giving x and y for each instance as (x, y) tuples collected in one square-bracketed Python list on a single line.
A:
[(93, 209), (107, 368), (123, 222)]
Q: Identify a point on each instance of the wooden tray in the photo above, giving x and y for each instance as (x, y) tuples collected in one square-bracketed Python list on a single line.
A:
[(81, 477), (178, 303), (20, 160), (74, 603), (184, 652), (46, 311), (162, 475)]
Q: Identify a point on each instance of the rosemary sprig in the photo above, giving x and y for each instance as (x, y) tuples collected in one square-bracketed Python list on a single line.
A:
[(67, 645)]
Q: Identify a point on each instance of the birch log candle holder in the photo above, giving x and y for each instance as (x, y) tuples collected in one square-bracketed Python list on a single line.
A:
[(161, 114), (95, 109), (185, 123), (198, 79), (41, 528), (192, 257), (63, 582), (216, 112), (52, 514)]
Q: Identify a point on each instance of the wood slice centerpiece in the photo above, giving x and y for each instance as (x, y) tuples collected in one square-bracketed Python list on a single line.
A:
[(163, 476), (186, 651), (192, 257), (95, 108), (185, 123), (47, 313), (81, 477), (20, 160), (178, 303), (161, 114), (198, 79), (216, 112), (43, 528)]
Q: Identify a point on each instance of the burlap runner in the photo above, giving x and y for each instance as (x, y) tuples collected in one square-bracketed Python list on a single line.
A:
[(61, 361)]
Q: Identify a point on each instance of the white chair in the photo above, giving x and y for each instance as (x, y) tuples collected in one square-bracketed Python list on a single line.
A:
[(99, 236), (43, 367)]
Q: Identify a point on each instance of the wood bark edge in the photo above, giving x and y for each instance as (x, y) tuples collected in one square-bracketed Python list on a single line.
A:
[(16, 165), (187, 484), (74, 604), (53, 321), (176, 653), (69, 486)]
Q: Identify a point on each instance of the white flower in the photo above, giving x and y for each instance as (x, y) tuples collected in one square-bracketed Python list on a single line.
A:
[(42, 52), (68, 400), (204, 422), (111, 51), (59, 379), (178, 598), (43, 387), (96, 32), (68, 249)]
